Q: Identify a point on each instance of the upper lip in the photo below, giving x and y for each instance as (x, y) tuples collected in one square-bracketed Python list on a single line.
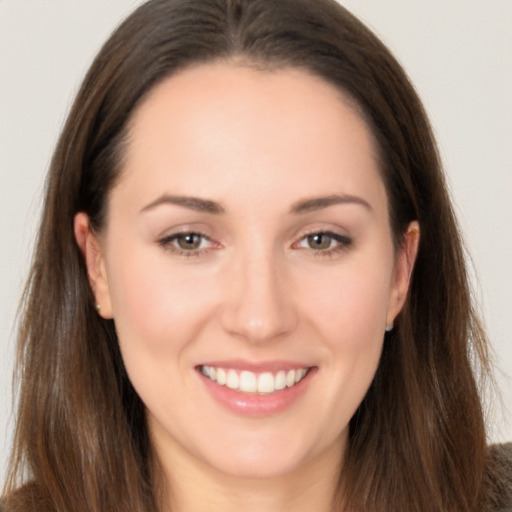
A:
[(256, 366)]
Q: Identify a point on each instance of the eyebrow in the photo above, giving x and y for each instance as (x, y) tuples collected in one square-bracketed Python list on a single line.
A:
[(300, 207), (192, 203), (318, 203)]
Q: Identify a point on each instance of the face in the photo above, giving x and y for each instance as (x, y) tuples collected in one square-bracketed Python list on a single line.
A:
[(248, 264)]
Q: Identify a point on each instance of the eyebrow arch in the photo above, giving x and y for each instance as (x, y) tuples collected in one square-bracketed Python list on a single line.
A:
[(192, 203), (318, 203)]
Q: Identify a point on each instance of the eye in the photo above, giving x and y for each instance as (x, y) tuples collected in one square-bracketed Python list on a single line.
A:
[(324, 242), (187, 243), (319, 241)]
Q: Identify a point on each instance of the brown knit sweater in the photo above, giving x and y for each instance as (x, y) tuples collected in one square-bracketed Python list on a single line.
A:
[(500, 485)]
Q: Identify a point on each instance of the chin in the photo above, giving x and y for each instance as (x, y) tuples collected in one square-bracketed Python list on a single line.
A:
[(258, 465), (272, 456)]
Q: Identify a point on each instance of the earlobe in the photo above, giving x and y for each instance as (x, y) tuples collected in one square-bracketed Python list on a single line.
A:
[(91, 249), (404, 266)]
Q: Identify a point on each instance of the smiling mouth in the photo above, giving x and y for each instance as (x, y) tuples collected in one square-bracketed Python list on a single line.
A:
[(264, 383)]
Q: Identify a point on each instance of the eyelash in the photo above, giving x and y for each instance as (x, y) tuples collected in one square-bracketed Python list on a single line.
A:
[(168, 243), (342, 243)]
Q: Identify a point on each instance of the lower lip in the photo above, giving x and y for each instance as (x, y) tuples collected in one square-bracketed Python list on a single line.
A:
[(251, 404)]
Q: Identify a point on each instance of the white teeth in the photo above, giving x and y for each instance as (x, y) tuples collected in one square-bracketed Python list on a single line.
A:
[(300, 374), (250, 382), (266, 383), (280, 380), (221, 376), (232, 379)]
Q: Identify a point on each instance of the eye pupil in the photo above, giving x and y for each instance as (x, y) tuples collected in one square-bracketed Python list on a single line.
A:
[(189, 241), (319, 241)]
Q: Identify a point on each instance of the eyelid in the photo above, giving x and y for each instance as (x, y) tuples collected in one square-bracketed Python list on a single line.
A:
[(343, 242), (167, 243), (335, 232)]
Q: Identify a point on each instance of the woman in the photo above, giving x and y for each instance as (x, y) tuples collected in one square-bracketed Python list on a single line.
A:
[(261, 298)]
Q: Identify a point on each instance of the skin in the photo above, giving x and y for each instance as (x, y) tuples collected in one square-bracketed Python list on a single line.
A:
[(257, 144)]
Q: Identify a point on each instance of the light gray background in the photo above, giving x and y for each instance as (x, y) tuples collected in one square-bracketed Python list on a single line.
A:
[(458, 54)]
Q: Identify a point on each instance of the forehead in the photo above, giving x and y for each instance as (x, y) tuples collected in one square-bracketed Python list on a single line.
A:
[(214, 128)]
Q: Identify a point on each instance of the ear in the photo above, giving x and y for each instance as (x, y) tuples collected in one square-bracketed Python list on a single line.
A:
[(91, 248), (404, 266)]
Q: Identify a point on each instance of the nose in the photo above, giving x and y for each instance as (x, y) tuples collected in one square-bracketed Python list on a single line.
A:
[(259, 303)]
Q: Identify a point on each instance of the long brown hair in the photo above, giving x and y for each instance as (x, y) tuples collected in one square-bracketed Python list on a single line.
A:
[(417, 441)]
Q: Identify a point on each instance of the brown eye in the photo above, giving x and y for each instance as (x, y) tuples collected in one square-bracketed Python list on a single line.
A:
[(319, 241), (324, 243), (189, 241)]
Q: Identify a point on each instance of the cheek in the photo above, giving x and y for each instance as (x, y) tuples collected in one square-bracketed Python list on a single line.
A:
[(158, 312), (350, 304), (353, 323), (153, 303), (348, 315)]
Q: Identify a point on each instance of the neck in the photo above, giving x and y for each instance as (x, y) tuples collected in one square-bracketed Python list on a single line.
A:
[(192, 486)]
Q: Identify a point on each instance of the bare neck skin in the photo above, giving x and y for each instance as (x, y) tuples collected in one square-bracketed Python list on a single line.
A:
[(191, 486)]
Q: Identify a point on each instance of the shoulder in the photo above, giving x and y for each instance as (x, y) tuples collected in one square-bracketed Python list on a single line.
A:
[(499, 478)]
